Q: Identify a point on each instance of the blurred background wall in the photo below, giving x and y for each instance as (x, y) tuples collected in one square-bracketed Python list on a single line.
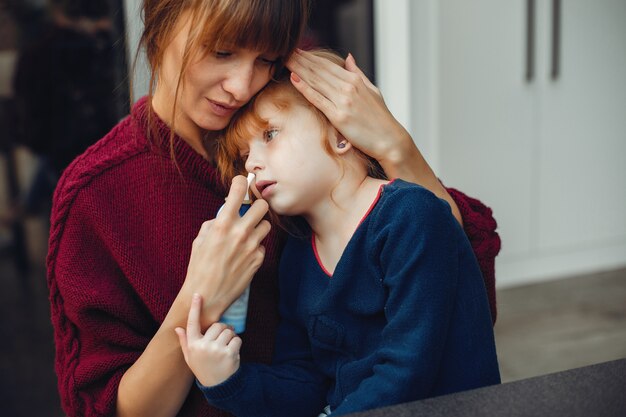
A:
[(521, 104)]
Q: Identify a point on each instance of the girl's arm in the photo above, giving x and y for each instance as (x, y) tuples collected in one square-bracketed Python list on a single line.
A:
[(291, 386), (357, 109)]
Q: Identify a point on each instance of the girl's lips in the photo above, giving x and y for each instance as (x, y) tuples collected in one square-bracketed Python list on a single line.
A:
[(265, 188), (221, 109)]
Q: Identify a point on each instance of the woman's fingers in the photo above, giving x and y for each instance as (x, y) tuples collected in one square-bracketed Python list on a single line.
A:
[(323, 80), (353, 67), (235, 197), (255, 213), (224, 256), (318, 72), (312, 95)]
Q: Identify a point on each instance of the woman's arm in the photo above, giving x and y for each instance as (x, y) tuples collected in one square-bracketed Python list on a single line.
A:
[(357, 109), (108, 360)]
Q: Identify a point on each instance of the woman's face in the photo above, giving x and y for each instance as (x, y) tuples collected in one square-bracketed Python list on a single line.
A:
[(215, 85)]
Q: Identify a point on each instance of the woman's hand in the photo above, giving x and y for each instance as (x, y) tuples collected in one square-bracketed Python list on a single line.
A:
[(225, 255), (213, 356), (356, 108)]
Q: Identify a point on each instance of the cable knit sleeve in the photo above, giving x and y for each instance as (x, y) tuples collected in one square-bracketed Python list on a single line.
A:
[(480, 228), (100, 328)]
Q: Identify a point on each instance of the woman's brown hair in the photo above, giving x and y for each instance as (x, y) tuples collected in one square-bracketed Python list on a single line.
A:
[(272, 26)]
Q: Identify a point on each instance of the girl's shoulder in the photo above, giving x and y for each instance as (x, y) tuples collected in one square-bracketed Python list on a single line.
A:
[(405, 203), (399, 191)]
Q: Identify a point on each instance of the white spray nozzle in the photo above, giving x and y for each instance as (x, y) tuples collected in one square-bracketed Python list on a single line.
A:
[(250, 179)]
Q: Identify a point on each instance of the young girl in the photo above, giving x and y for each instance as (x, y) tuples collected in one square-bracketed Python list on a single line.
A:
[(382, 303)]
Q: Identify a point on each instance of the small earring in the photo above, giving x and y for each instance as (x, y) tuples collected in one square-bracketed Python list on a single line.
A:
[(341, 145)]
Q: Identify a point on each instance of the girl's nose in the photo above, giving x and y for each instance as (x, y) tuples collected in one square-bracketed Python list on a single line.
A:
[(253, 163)]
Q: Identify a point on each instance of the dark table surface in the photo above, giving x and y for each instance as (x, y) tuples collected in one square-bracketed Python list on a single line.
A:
[(591, 391)]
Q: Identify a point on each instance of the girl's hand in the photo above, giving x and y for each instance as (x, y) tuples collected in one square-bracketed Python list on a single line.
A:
[(354, 106), (224, 256), (213, 356)]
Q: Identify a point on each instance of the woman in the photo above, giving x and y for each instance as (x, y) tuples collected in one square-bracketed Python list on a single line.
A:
[(126, 213)]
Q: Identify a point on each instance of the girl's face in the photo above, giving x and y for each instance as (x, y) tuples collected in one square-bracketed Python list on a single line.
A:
[(215, 85), (293, 171)]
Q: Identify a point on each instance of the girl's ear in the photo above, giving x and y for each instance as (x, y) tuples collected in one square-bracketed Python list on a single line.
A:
[(342, 145)]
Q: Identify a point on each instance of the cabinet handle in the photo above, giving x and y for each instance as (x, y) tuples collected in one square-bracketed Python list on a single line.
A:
[(530, 40), (555, 64)]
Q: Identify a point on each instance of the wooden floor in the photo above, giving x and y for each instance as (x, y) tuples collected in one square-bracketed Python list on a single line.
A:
[(562, 324), (541, 329)]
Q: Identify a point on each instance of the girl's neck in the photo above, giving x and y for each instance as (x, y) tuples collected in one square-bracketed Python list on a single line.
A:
[(334, 222)]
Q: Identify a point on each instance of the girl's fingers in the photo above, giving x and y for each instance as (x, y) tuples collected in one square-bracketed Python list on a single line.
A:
[(214, 331), (235, 344), (193, 319), (225, 336)]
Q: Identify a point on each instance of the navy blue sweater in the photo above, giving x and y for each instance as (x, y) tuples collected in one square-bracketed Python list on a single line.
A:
[(404, 317)]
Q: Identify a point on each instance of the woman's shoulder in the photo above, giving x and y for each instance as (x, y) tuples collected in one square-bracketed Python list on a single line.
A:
[(124, 141), (110, 154)]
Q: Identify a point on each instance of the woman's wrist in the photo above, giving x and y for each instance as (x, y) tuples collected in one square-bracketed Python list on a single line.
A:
[(179, 311), (403, 159)]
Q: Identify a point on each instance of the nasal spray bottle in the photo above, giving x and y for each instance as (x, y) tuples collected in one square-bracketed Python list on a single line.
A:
[(235, 315)]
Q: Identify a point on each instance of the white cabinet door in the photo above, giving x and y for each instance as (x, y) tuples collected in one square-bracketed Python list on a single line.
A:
[(487, 112), (549, 155), (582, 199)]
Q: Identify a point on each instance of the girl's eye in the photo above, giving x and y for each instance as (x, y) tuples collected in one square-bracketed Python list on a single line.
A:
[(270, 134)]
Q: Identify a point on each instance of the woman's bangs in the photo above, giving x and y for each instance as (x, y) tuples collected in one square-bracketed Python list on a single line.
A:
[(269, 26)]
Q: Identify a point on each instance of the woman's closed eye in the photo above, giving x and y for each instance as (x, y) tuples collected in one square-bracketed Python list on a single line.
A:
[(269, 61), (270, 134), (223, 54), (264, 60)]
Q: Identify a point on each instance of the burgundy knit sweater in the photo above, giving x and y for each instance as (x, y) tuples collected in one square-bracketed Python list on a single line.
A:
[(123, 220)]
